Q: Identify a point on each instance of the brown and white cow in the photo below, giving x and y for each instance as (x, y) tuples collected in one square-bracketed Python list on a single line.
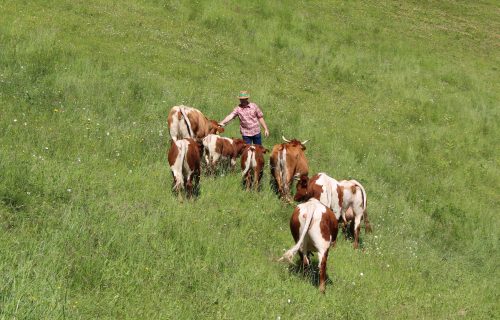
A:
[(346, 198), (287, 161), (187, 122), (252, 165), (219, 148), (184, 160), (314, 229)]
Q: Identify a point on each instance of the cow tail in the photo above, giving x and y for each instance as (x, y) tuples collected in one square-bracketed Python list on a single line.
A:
[(188, 123), (368, 227), (282, 163), (290, 253), (250, 159)]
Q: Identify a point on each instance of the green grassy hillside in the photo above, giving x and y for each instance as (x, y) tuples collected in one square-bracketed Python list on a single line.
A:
[(403, 97)]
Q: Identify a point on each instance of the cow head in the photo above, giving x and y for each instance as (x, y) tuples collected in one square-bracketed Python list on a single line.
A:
[(302, 193), (260, 148), (214, 127), (239, 146), (294, 143), (257, 147)]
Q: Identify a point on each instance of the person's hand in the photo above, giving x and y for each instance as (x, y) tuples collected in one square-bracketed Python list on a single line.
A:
[(266, 132)]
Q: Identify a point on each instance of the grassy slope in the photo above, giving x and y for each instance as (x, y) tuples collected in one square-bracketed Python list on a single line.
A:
[(402, 97)]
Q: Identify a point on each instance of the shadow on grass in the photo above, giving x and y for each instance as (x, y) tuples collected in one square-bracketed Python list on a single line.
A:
[(348, 234), (309, 273)]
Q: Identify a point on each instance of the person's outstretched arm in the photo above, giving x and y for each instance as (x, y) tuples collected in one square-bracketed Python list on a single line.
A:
[(229, 117), (263, 123)]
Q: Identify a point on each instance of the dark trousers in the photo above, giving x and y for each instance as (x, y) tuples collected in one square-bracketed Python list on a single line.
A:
[(256, 139)]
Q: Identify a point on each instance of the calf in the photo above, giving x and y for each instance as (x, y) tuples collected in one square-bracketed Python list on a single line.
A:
[(186, 122), (222, 148), (184, 160), (345, 198), (287, 161), (314, 228), (252, 159)]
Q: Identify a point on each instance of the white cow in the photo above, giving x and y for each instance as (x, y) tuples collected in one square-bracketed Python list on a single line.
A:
[(314, 229), (346, 198)]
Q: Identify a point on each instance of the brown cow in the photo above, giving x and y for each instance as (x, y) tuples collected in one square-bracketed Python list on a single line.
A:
[(222, 148), (287, 161), (187, 122), (347, 199), (252, 159), (184, 160), (314, 228)]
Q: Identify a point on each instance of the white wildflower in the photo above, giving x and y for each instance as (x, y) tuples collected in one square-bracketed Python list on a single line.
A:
[(69, 190)]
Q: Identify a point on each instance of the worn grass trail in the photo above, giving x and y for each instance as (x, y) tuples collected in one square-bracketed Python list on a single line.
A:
[(403, 97)]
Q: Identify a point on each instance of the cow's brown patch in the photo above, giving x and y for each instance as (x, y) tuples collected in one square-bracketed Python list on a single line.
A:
[(329, 226), (340, 193), (173, 152), (238, 147), (314, 188), (353, 189), (295, 224), (223, 147), (193, 155), (322, 272)]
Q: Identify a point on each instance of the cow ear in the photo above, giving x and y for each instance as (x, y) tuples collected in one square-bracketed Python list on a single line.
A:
[(220, 130), (303, 147)]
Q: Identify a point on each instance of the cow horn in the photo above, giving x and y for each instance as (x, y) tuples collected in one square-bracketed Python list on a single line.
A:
[(305, 142), (286, 140)]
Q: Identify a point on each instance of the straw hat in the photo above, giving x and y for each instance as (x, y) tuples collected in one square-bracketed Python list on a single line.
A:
[(243, 95)]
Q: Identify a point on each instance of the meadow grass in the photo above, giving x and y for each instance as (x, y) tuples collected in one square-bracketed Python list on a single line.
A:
[(403, 97)]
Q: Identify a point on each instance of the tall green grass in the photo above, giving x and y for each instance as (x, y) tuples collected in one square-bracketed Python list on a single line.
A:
[(403, 97)]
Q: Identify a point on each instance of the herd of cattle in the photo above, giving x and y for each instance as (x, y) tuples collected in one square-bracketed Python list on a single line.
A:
[(326, 201)]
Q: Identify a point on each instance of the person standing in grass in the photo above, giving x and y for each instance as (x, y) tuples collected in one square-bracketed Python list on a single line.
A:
[(251, 118)]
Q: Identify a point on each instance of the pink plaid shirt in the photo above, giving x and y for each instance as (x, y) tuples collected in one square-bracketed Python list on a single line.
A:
[(249, 119)]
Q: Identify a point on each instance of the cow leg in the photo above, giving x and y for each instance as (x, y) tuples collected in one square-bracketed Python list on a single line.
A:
[(207, 160), (368, 227), (233, 164), (279, 183), (357, 227), (248, 181), (334, 230), (196, 182), (189, 187), (304, 261), (256, 179), (286, 186), (322, 256), (178, 184), (215, 160)]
